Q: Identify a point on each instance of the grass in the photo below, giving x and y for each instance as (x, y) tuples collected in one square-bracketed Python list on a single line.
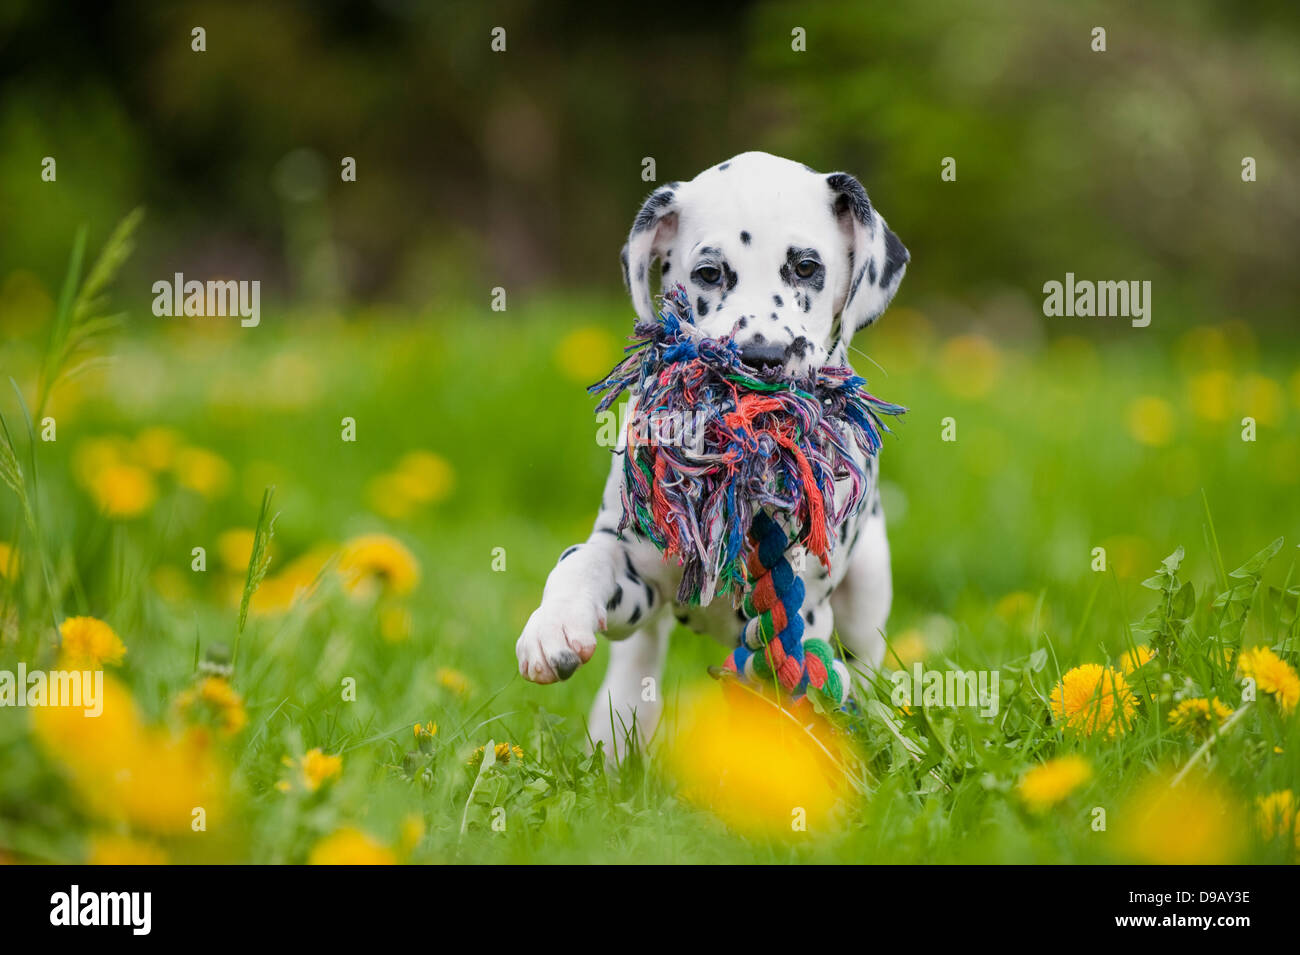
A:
[(1131, 443)]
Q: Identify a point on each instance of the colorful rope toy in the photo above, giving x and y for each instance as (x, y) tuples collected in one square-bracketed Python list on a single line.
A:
[(748, 451)]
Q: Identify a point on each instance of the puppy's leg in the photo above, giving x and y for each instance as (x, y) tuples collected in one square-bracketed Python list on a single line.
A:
[(861, 601), (630, 695), (604, 584)]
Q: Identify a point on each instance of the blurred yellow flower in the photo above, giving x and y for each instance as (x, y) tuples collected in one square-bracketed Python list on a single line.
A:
[(387, 497), (1261, 398), (155, 448), (909, 647), (1276, 816), (218, 698), (123, 850), (586, 353), (1209, 393), (235, 547), (279, 592), (1049, 783), (970, 365), (759, 768), (1016, 607), (376, 563), (126, 771), (453, 680), (1091, 699), (1199, 714), (351, 846), (1151, 421), (425, 477), (123, 490), (1194, 823), (312, 771), (88, 644), (412, 831), (504, 753), (1139, 656), (8, 560), (202, 471), (1272, 675), (93, 455)]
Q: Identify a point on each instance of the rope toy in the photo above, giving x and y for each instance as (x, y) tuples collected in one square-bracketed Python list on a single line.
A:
[(719, 456)]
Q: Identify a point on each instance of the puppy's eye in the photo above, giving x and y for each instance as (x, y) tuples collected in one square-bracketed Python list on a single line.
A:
[(806, 268), (708, 275)]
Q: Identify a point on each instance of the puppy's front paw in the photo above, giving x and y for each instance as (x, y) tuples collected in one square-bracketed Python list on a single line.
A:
[(556, 641)]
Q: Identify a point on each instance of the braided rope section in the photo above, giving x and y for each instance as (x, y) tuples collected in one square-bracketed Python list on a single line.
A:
[(772, 647)]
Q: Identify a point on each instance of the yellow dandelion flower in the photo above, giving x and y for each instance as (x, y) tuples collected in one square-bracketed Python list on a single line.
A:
[(425, 477), (1193, 823), (412, 831), (202, 471), (387, 497), (1261, 398), (123, 490), (1209, 394), (585, 353), (453, 680), (1136, 658), (156, 448), (908, 647), (88, 644), (424, 734), (123, 850), (376, 563), (318, 768), (94, 455), (217, 697), (128, 772), (1048, 784), (1091, 699), (747, 761), (235, 547), (504, 753), (1276, 816), (1199, 714), (1272, 675), (351, 846), (1151, 421), (8, 561), (279, 592)]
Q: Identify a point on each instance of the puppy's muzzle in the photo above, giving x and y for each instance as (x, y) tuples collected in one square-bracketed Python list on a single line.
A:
[(765, 356)]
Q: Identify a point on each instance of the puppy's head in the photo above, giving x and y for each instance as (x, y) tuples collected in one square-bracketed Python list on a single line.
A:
[(787, 261)]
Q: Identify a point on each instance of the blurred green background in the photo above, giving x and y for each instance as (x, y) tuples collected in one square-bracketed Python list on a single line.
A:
[(523, 170)]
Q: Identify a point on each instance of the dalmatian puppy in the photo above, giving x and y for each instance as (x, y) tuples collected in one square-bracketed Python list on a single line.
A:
[(790, 263)]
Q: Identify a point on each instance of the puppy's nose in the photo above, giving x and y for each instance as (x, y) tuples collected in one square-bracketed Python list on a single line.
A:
[(762, 355)]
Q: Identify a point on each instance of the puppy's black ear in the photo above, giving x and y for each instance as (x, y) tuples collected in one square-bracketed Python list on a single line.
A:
[(877, 259), (652, 230)]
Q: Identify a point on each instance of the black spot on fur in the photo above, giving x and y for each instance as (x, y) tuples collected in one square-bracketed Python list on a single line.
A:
[(701, 306), (653, 209), (665, 269), (724, 167), (569, 551), (616, 599), (896, 256), (778, 300), (758, 339), (631, 571), (810, 618), (743, 322), (799, 347), (636, 615), (850, 197), (744, 237), (775, 319), (729, 277)]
